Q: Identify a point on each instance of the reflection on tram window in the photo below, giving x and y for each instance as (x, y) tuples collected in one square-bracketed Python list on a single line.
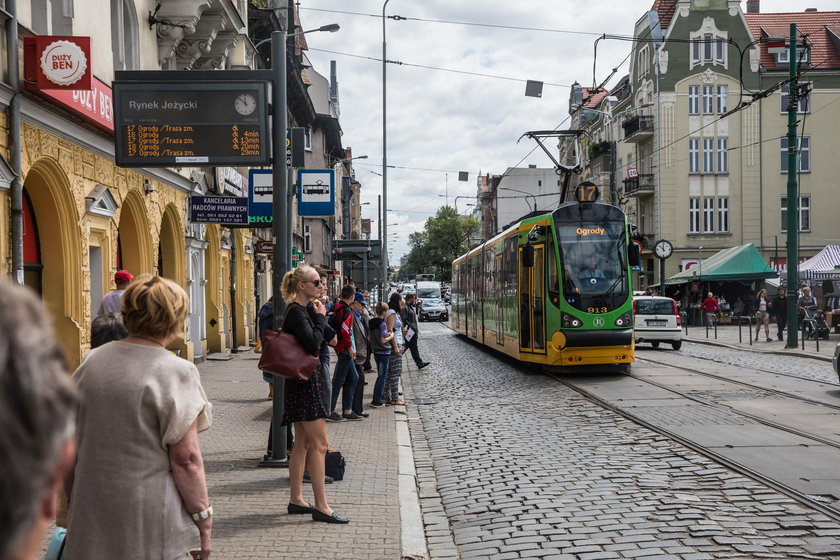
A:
[(594, 261)]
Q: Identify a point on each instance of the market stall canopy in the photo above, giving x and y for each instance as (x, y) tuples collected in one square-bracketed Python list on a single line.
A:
[(737, 263), (822, 265)]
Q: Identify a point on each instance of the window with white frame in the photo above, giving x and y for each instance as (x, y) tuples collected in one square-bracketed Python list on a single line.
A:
[(693, 100), (803, 56), (694, 215), (723, 155), (722, 99), (708, 155), (708, 45), (694, 155), (643, 61), (804, 105), (708, 215), (804, 213), (125, 42), (307, 239), (723, 214), (307, 139), (803, 157), (708, 100)]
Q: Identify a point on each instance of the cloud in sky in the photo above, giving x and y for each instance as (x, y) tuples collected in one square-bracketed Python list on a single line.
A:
[(442, 122)]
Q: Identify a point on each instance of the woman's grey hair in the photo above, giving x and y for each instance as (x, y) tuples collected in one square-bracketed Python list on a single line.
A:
[(37, 411), (107, 328)]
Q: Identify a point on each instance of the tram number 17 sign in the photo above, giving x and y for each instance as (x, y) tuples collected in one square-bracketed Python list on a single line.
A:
[(190, 123)]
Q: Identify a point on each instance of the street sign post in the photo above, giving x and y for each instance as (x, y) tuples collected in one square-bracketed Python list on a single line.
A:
[(316, 192), (260, 192)]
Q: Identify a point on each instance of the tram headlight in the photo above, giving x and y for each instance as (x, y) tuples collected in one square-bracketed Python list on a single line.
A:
[(571, 322), (625, 320)]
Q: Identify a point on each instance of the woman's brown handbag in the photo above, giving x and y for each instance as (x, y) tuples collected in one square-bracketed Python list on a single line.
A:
[(283, 355)]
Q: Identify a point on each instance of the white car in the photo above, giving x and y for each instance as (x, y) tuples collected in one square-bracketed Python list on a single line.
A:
[(657, 319)]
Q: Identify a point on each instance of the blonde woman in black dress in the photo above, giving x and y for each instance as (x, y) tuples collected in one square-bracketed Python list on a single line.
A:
[(304, 407)]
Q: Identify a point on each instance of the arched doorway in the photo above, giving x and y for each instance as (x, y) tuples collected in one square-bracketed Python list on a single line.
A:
[(212, 289), (172, 248), (57, 270), (134, 243), (32, 265)]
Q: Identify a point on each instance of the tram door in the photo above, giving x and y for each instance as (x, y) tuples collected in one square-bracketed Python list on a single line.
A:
[(500, 315), (532, 302)]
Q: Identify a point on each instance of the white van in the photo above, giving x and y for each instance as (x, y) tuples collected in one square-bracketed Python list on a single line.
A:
[(426, 290)]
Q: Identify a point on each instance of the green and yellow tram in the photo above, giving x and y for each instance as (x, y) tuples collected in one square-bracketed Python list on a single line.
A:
[(553, 289)]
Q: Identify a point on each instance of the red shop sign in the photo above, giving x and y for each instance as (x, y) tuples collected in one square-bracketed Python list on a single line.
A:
[(51, 62), (95, 105)]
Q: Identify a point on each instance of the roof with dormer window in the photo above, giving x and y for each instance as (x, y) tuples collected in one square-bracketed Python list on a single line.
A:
[(819, 29)]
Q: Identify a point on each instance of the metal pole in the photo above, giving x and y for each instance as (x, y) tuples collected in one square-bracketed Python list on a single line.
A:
[(233, 345), (384, 216), (365, 272), (792, 196), (281, 228), (16, 189)]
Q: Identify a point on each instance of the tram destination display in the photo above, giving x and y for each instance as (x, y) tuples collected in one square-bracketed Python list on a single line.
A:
[(182, 124)]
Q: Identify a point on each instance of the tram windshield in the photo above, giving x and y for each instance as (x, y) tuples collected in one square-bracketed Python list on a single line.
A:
[(594, 265)]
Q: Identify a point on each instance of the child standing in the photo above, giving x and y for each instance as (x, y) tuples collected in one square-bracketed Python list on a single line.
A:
[(380, 340)]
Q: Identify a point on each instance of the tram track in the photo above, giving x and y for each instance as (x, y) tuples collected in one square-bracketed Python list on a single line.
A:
[(744, 383), (816, 502)]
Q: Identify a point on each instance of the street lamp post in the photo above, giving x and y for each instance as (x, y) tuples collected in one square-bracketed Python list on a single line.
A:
[(384, 215), (281, 261)]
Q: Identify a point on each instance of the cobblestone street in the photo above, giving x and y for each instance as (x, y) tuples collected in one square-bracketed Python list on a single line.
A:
[(517, 466)]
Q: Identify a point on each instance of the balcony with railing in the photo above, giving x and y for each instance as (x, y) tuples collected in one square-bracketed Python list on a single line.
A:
[(643, 185), (638, 128)]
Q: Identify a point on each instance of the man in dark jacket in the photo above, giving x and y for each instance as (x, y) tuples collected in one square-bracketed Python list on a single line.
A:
[(779, 309), (409, 319)]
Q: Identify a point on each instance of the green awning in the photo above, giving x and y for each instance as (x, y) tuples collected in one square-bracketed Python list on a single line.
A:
[(737, 263)]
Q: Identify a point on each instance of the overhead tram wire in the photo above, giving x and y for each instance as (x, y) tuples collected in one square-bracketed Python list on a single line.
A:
[(467, 23), (426, 67)]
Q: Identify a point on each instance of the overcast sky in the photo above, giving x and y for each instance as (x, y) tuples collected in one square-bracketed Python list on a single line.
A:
[(442, 122)]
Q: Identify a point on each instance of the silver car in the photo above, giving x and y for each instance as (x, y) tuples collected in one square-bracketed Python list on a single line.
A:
[(433, 309), (657, 319)]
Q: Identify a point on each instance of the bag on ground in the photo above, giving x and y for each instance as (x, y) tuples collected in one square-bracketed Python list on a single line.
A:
[(334, 464)]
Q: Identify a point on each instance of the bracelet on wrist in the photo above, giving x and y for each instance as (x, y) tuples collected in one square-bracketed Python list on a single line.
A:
[(203, 514)]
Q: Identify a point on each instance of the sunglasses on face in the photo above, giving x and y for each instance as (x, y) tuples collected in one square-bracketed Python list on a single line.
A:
[(315, 283)]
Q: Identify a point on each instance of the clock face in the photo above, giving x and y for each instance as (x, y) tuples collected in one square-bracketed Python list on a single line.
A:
[(663, 249), (245, 104)]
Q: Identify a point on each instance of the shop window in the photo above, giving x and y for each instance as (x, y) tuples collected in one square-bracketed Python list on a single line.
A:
[(124, 35)]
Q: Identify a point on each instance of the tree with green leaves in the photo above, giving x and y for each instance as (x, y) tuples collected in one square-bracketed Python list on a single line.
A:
[(446, 236)]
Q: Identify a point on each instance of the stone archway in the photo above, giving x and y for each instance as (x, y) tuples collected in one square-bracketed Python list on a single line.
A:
[(59, 233), (172, 247), (134, 248), (213, 290)]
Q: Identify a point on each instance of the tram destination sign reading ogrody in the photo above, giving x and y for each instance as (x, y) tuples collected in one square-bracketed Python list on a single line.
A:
[(183, 123)]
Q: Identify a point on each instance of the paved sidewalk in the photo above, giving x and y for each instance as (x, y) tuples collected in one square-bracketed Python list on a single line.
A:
[(727, 335), (250, 502)]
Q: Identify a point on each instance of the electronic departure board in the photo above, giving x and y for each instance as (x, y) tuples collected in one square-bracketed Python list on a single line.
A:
[(180, 124)]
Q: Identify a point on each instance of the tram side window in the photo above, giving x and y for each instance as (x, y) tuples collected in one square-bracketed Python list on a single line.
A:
[(552, 274)]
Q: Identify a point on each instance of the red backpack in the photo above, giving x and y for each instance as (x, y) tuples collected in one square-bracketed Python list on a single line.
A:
[(342, 323)]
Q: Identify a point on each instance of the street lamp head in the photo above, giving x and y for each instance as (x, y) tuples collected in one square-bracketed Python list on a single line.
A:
[(331, 28)]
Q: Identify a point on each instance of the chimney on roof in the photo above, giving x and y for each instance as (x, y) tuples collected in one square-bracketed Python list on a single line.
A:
[(532, 166), (810, 9), (753, 7)]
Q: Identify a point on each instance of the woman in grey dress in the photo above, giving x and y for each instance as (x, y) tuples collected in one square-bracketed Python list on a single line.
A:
[(138, 489)]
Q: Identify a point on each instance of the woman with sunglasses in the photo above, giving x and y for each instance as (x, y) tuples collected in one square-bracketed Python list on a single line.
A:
[(304, 407)]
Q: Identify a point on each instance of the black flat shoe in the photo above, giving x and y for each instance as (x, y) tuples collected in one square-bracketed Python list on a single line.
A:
[(294, 509), (323, 517)]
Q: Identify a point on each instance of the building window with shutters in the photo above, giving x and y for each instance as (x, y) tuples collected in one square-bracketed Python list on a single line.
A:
[(307, 239), (708, 215), (803, 157), (694, 215), (708, 155), (723, 155), (804, 213), (708, 100), (694, 155), (693, 100), (723, 214), (722, 99)]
